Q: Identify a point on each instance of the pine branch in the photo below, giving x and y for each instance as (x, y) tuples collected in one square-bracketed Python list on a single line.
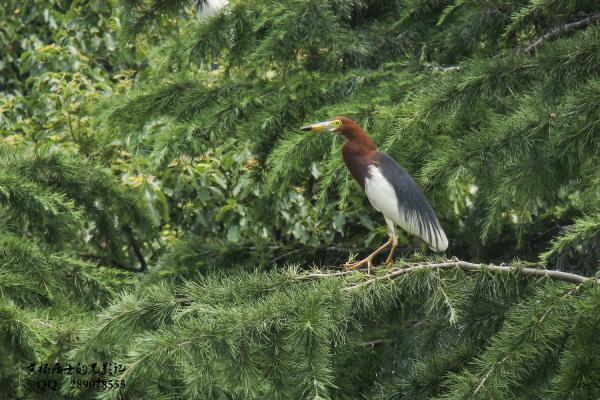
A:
[(449, 264), (522, 339), (578, 363), (559, 31)]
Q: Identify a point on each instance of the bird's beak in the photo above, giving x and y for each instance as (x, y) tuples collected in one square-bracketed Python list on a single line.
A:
[(326, 126)]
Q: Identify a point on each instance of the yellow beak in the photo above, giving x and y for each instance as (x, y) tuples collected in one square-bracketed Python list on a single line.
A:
[(327, 126)]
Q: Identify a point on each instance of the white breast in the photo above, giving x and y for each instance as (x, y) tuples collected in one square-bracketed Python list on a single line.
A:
[(382, 195), (383, 198)]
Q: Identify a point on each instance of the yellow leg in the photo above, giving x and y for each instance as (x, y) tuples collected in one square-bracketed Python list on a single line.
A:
[(368, 260), (390, 258)]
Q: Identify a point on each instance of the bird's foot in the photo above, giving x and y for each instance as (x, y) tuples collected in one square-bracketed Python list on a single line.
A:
[(368, 261), (389, 261)]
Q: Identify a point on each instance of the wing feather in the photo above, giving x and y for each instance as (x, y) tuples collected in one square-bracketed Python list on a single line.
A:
[(393, 192)]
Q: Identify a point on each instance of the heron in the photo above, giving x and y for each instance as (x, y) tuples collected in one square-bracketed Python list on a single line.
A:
[(389, 188)]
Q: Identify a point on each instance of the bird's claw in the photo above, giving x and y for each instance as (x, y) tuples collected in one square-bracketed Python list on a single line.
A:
[(355, 265), (351, 266)]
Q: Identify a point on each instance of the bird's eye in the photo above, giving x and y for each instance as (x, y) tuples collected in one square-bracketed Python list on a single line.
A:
[(337, 123)]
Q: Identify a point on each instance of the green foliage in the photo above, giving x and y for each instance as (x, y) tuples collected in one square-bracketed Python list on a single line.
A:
[(579, 365), (290, 334), (56, 198), (501, 141), (58, 213), (64, 216)]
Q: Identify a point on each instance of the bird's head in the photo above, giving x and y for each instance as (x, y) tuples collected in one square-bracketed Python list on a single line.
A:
[(337, 125)]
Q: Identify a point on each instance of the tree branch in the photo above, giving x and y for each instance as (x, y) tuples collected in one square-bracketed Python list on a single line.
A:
[(503, 360), (136, 248), (560, 30), (449, 264)]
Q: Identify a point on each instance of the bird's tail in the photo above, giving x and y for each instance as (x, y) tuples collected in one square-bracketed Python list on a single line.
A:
[(438, 240), (428, 228)]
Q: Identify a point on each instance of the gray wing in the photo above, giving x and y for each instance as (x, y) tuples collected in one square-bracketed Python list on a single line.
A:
[(416, 214)]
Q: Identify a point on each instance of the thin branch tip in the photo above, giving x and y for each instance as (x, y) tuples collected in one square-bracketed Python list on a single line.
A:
[(558, 31)]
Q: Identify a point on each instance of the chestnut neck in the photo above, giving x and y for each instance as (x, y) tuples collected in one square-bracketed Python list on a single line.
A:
[(358, 152), (358, 143)]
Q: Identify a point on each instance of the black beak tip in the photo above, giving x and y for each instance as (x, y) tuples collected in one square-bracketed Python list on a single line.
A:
[(306, 128)]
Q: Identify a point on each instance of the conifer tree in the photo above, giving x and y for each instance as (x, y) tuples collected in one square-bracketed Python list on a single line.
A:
[(62, 216), (492, 105)]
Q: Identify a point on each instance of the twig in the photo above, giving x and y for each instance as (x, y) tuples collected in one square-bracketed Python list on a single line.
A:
[(487, 375), (373, 343), (284, 255), (323, 275), (467, 266), (441, 68), (560, 30), (464, 265)]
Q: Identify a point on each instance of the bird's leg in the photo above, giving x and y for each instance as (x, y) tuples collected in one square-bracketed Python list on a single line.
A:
[(390, 259), (394, 239), (368, 260)]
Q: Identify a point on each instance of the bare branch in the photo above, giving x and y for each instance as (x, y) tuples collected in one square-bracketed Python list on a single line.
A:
[(560, 30), (449, 264), (323, 275)]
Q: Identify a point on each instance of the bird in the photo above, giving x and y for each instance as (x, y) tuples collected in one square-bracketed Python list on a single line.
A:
[(389, 188)]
